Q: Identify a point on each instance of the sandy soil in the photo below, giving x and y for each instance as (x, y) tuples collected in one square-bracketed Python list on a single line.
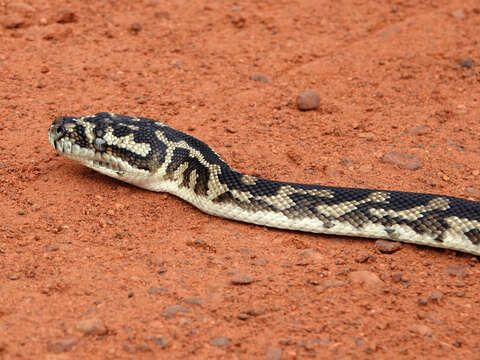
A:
[(94, 268)]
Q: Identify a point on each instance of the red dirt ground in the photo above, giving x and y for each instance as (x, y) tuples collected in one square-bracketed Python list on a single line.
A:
[(94, 268)]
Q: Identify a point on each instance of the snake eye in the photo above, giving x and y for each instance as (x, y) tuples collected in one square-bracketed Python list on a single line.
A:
[(59, 131), (100, 144)]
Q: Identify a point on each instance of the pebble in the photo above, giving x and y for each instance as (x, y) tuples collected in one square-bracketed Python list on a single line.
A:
[(332, 284), (66, 16), (172, 310), (260, 78), (156, 290), (161, 341), (466, 63), (135, 28), (308, 100), (399, 277), (242, 316), (366, 278), (458, 14), (194, 301), (241, 279), (93, 326), (20, 7), (402, 160), (219, 341), (421, 329), (365, 258), (436, 297), (61, 345), (387, 247), (274, 354)]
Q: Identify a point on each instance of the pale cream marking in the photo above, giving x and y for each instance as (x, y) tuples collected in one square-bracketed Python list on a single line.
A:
[(248, 180), (179, 172), (89, 126), (126, 142), (280, 200), (193, 179), (340, 209), (243, 196), (463, 224), (413, 213)]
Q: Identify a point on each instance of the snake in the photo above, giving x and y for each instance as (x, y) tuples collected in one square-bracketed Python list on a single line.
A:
[(154, 156)]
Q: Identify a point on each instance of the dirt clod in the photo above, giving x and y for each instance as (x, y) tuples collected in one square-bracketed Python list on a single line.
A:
[(241, 279)]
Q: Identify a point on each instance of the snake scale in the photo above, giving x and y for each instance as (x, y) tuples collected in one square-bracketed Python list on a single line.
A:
[(154, 156)]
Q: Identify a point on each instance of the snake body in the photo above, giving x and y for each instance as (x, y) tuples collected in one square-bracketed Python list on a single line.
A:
[(154, 156)]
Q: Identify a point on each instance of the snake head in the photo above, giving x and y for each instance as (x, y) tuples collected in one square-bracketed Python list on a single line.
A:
[(119, 146)]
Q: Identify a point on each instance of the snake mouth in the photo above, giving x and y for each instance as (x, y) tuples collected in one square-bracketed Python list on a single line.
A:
[(94, 159)]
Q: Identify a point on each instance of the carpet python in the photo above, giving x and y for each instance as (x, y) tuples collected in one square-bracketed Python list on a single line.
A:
[(154, 156)]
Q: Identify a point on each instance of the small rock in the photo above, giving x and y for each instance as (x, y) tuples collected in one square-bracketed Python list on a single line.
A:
[(61, 345), (260, 78), (239, 22), (161, 341), (466, 63), (172, 310), (274, 354), (66, 16), (156, 290), (436, 297), (253, 312), (422, 301), (308, 100), (242, 316), (93, 326), (387, 247), (458, 14), (421, 329), (241, 279), (402, 160), (398, 277), (194, 301), (366, 278), (219, 341), (365, 258), (135, 28)]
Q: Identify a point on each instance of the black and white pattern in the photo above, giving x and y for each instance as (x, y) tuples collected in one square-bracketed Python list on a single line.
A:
[(157, 157)]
